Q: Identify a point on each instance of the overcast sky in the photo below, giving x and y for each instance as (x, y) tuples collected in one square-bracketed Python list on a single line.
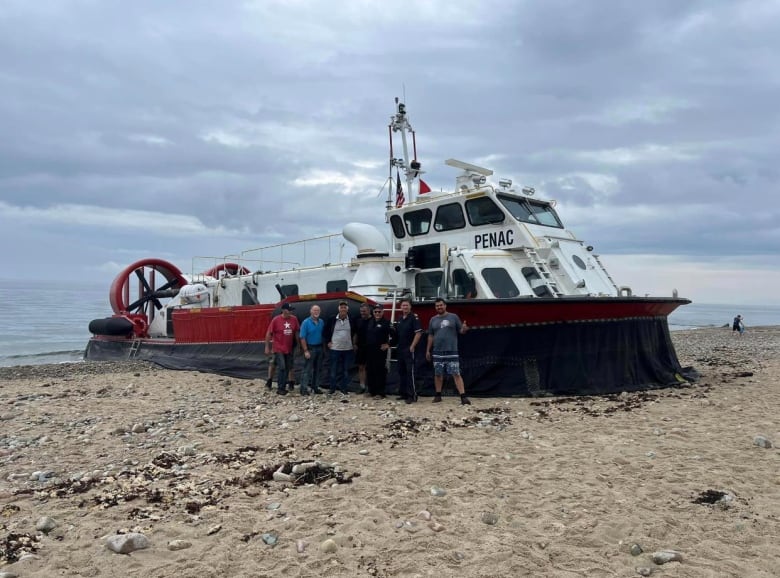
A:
[(182, 128)]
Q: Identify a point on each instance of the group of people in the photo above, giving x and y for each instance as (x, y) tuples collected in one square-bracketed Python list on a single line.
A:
[(366, 341)]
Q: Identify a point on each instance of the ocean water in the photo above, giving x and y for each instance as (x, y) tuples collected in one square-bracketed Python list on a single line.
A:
[(697, 315), (47, 322)]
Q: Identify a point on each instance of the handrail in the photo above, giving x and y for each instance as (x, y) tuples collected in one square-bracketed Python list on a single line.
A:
[(303, 253)]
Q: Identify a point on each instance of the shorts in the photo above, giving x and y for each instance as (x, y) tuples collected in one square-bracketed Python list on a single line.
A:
[(445, 363), (361, 355)]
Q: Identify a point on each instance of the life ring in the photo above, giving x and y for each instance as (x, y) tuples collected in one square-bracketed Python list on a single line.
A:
[(232, 269)]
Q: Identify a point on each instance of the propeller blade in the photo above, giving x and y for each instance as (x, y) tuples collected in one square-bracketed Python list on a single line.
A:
[(149, 292), (138, 303)]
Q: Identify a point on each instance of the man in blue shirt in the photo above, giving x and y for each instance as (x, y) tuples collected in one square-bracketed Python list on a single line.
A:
[(311, 342)]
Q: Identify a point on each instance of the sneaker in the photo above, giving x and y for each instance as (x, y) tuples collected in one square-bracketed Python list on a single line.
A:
[(317, 390), (437, 398), (291, 385), (269, 384), (464, 400), (304, 391), (281, 391), (408, 400)]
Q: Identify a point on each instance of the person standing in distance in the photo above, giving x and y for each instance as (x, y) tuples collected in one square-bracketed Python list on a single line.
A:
[(311, 344), (738, 325), (408, 331), (283, 329), (442, 349)]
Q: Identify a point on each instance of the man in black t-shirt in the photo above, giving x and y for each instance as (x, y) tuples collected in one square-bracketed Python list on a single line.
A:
[(361, 350)]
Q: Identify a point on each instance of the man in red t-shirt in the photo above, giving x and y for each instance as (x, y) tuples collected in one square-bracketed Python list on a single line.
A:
[(284, 330)]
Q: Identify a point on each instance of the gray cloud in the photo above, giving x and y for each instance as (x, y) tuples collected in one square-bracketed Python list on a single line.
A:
[(653, 124)]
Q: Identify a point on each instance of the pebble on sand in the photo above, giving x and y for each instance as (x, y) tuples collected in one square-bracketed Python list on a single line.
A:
[(329, 546), (664, 556), (45, 524), (762, 442), (126, 543), (489, 518), (179, 545)]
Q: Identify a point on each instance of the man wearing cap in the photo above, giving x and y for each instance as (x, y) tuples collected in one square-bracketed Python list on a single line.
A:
[(283, 330), (338, 334), (377, 344)]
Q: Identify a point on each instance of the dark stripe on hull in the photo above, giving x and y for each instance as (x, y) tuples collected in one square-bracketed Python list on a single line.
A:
[(570, 358)]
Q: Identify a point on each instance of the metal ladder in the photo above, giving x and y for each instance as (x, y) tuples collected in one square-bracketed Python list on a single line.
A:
[(541, 268), (604, 270), (136, 345)]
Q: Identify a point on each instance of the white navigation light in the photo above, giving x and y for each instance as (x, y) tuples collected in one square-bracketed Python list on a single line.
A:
[(505, 183), (529, 191)]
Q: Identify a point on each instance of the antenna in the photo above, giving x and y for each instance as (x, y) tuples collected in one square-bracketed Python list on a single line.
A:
[(412, 168), (468, 167)]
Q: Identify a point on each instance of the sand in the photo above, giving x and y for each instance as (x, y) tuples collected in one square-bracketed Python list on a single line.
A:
[(589, 486)]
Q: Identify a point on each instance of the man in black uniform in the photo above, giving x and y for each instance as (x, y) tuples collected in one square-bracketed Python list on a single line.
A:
[(361, 351), (377, 344), (408, 331)]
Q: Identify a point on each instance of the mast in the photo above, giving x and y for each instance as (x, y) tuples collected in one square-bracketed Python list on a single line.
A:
[(411, 168)]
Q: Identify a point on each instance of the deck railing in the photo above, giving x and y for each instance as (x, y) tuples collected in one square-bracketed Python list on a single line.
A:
[(312, 252)]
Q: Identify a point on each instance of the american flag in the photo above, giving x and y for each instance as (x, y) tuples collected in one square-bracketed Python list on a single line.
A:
[(399, 191)]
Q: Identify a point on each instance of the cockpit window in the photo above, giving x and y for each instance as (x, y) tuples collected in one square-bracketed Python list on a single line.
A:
[(418, 222), (398, 227), (448, 217), (531, 211), (483, 211)]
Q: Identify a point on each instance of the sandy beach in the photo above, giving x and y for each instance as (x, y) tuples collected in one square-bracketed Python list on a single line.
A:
[(191, 474)]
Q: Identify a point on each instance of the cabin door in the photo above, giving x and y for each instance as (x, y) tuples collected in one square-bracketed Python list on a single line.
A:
[(461, 281)]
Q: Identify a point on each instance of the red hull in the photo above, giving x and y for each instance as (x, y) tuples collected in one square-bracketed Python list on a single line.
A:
[(505, 312), (249, 323)]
